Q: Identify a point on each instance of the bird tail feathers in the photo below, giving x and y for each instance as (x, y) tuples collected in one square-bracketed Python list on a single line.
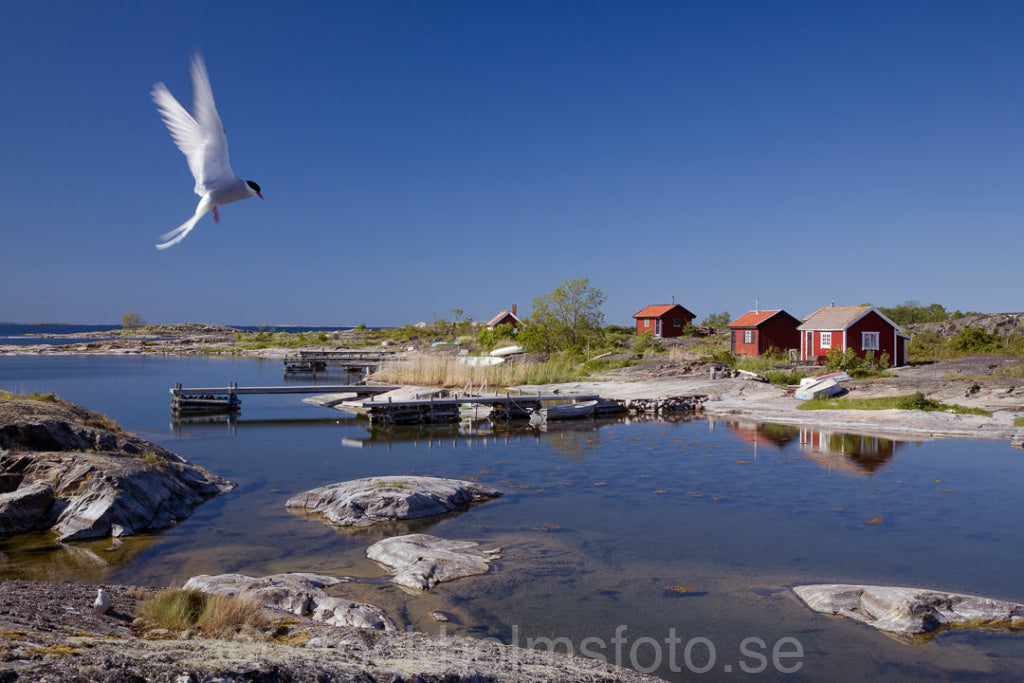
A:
[(179, 233)]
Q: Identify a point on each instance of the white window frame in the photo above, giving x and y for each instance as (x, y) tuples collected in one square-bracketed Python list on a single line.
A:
[(748, 336), (657, 327), (869, 341), (825, 340)]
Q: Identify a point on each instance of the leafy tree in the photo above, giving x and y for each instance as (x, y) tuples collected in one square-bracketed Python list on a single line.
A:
[(912, 312), (565, 319), (131, 321), (717, 319)]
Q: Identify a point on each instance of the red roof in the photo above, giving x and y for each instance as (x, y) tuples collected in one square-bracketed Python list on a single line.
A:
[(755, 318), (658, 310), (504, 314)]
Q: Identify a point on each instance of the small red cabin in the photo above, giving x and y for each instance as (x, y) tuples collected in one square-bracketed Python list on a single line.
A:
[(757, 331), (505, 318), (861, 328), (663, 320)]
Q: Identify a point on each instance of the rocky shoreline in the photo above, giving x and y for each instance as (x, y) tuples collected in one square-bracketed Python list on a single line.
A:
[(986, 381), (49, 632), (78, 474)]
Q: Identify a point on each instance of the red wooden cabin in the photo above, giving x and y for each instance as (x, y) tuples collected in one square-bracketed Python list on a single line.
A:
[(757, 331), (861, 328), (663, 320)]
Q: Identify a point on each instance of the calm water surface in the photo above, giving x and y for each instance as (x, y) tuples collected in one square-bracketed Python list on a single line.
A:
[(666, 545)]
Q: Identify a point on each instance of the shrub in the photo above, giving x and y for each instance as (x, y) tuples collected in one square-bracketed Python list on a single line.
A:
[(646, 343), (976, 340)]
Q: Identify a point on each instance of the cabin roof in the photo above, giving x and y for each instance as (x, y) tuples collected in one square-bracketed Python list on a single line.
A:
[(658, 310), (840, 317), (503, 314), (755, 318)]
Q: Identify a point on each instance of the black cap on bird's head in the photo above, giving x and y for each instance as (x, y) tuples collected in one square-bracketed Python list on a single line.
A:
[(254, 187)]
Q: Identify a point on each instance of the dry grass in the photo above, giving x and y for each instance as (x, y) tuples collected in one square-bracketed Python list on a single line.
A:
[(216, 616), (175, 609), (447, 372), (225, 614)]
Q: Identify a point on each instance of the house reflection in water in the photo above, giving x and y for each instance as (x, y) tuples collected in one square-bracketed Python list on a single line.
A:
[(851, 453), (855, 453)]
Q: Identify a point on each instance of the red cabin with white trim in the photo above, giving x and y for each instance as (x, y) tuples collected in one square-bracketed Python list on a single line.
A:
[(861, 328)]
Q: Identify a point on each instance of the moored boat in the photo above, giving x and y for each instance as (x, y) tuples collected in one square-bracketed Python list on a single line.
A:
[(568, 411)]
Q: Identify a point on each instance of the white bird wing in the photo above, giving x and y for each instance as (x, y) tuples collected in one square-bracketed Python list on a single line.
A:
[(200, 139)]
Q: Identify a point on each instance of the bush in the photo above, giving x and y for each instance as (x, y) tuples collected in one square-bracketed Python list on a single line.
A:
[(646, 343), (855, 366), (976, 340)]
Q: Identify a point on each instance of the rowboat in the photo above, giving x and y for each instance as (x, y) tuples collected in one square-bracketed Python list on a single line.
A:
[(567, 411), (507, 351), (820, 389)]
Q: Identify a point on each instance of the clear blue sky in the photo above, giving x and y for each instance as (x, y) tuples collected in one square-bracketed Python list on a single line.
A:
[(418, 156)]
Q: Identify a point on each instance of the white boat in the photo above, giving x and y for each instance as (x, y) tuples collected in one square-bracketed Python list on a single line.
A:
[(508, 351), (480, 360), (568, 411), (838, 376), (820, 389)]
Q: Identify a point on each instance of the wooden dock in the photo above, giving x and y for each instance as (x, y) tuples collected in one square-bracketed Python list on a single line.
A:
[(447, 410), (311, 362), (206, 399)]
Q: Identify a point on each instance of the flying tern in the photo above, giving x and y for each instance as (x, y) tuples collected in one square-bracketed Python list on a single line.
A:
[(201, 138)]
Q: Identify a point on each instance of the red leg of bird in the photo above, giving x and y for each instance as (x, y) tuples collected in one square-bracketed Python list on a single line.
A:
[(216, 218)]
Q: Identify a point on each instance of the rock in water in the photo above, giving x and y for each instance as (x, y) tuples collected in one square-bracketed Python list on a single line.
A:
[(363, 502), (102, 603), (419, 561), (909, 611), (78, 473)]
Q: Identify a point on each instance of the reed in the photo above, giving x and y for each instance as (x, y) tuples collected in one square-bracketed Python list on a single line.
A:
[(448, 373)]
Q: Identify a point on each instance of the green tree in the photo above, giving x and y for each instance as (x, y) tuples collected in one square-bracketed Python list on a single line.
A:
[(131, 321), (717, 319), (566, 319)]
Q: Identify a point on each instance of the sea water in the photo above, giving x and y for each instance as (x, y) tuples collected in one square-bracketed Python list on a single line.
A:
[(666, 545)]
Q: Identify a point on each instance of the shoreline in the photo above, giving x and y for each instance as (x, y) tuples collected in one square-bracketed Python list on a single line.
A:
[(950, 382)]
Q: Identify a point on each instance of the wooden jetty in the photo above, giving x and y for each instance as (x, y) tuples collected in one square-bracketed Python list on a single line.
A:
[(447, 410), (311, 362), (207, 399)]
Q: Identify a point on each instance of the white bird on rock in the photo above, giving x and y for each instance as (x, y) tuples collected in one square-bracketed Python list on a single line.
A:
[(202, 140), (102, 603)]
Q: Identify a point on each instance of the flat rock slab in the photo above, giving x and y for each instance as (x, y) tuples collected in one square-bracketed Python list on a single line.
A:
[(420, 561), (300, 594), (910, 611), (363, 502)]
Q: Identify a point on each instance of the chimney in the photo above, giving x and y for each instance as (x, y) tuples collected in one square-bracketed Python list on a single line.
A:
[(514, 310), (833, 304), (757, 305)]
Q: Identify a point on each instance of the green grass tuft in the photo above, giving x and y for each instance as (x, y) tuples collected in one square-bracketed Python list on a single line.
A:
[(916, 401)]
